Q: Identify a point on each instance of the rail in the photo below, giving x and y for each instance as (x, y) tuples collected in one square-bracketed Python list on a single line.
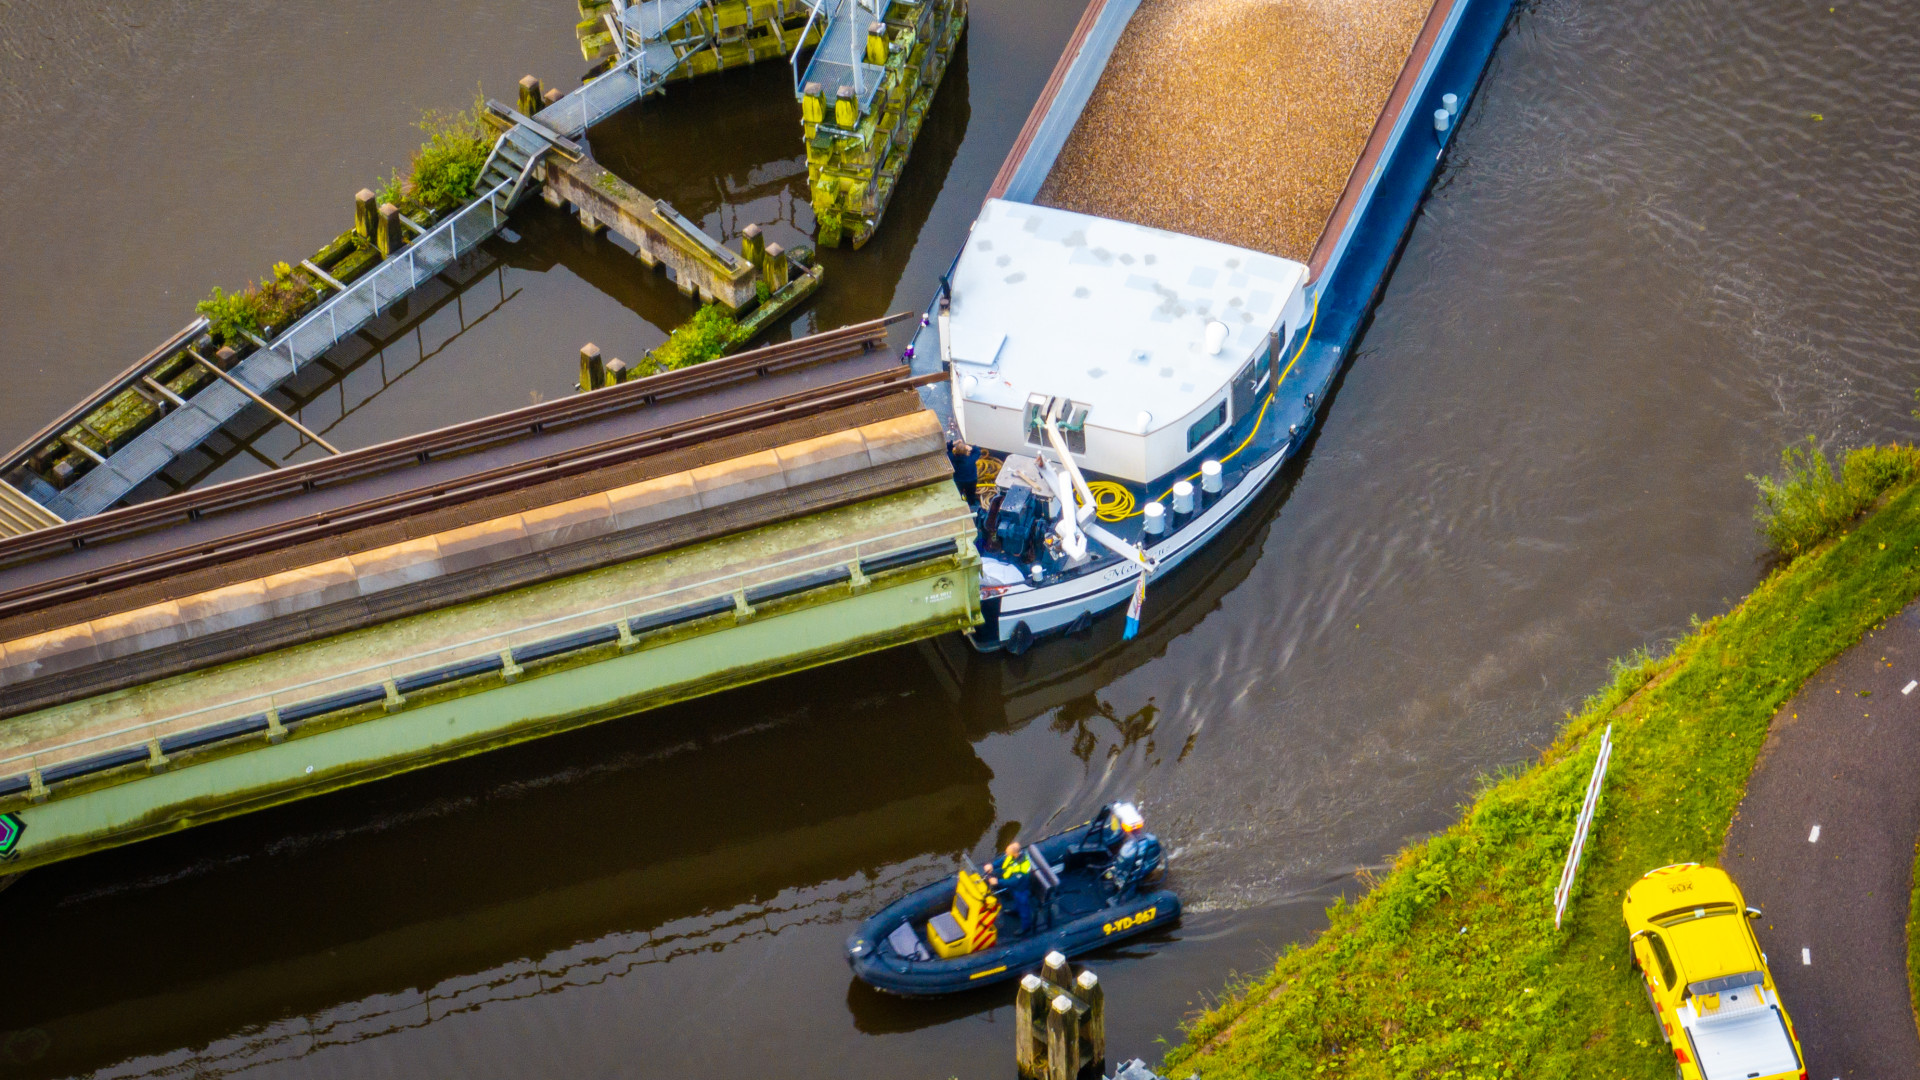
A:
[(445, 442), (460, 233), (1564, 893), (497, 481), (621, 621), (109, 390)]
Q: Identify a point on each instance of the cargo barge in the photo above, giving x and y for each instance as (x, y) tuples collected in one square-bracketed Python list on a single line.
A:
[(1134, 347)]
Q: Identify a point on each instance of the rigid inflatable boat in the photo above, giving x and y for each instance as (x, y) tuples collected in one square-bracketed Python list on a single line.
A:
[(1094, 884)]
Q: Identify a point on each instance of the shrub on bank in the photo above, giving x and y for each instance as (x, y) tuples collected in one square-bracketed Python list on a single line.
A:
[(1451, 967), (709, 334), (1808, 503)]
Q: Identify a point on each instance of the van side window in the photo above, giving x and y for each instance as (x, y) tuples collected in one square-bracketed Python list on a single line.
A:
[(1668, 976), (1204, 427)]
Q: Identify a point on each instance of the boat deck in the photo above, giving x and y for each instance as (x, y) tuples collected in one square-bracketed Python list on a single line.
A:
[(1236, 120)]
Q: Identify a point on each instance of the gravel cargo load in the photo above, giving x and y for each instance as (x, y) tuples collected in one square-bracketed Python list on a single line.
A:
[(1235, 120)]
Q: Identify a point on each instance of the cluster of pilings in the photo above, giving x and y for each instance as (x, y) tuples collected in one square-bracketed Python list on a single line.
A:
[(696, 38), (859, 128), (1059, 1022)]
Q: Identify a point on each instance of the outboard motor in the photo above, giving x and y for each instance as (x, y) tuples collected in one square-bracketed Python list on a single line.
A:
[(1137, 855)]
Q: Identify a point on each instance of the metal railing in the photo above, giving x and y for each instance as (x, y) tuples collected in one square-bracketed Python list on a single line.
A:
[(392, 279), (607, 93), (1564, 893), (620, 621)]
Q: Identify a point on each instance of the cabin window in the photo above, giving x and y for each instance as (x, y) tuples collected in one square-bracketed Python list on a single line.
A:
[(1073, 428), (1668, 976), (1205, 427)]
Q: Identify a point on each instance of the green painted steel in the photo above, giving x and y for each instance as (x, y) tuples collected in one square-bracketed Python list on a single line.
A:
[(804, 630)]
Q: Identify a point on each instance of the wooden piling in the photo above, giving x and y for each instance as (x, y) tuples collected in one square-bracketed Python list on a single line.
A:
[(366, 215), (774, 267), (846, 110), (1094, 1032), (1030, 1027), (593, 371), (753, 246), (529, 94), (1055, 970), (616, 372), (552, 97), (813, 104), (1063, 1039), (389, 239)]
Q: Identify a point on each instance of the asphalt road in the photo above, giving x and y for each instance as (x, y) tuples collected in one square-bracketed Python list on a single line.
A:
[(1843, 758)]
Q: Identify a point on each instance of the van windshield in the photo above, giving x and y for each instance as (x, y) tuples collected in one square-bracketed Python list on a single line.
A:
[(1689, 914)]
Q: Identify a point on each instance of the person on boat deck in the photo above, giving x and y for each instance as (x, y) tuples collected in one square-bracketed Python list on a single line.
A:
[(1016, 879), (966, 467)]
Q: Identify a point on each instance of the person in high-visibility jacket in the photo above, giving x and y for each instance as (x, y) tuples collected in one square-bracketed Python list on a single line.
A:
[(1015, 880)]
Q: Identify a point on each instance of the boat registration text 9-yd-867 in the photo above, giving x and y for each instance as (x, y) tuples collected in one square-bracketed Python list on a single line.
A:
[(1138, 918)]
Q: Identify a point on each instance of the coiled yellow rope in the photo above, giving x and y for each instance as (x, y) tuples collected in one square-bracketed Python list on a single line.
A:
[(1111, 501)]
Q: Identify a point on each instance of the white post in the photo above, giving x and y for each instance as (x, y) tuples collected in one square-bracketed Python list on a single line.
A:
[(1564, 893), (854, 41)]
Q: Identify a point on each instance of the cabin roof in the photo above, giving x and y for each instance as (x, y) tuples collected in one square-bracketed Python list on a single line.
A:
[(1109, 313)]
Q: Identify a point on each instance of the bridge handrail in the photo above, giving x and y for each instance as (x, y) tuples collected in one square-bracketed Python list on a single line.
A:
[(112, 388), (370, 281), (488, 645), (442, 442)]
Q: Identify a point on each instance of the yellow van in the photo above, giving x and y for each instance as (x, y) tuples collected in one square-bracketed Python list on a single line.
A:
[(1706, 977)]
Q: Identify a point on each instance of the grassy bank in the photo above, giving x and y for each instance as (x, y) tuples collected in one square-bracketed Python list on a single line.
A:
[(1913, 937), (1450, 967)]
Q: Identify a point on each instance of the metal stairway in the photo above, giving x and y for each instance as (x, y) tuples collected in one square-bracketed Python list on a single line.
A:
[(505, 178)]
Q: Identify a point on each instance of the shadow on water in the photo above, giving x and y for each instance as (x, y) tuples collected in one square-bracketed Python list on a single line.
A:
[(564, 862), (1063, 675), (726, 152)]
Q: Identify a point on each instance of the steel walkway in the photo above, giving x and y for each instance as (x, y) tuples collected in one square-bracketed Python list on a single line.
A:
[(506, 177), (840, 61)]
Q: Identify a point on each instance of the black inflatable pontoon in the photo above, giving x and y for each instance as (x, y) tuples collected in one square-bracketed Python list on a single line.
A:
[(1095, 884)]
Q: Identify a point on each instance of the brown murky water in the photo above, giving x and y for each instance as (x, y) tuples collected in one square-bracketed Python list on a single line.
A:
[(1670, 238)]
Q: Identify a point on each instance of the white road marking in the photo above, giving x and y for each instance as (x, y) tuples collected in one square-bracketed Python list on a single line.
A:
[(1806, 957), (1908, 689), (1814, 836)]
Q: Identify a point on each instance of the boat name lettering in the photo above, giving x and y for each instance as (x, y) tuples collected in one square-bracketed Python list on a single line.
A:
[(1138, 918)]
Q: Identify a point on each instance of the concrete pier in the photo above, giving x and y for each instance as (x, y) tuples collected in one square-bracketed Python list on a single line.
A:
[(700, 265)]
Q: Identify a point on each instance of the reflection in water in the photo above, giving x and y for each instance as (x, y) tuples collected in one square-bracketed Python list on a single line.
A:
[(542, 870), (1646, 267)]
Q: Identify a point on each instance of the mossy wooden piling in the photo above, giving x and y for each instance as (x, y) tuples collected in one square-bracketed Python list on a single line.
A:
[(1060, 1022), (855, 159)]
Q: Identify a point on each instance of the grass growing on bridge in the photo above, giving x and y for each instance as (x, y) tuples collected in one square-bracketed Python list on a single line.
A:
[(1451, 967)]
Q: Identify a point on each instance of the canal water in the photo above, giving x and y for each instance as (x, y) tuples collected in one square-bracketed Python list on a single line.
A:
[(1670, 238)]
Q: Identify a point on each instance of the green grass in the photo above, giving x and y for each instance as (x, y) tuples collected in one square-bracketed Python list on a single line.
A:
[(275, 302), (709, 334), (1913, 938), (1451, 968)]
